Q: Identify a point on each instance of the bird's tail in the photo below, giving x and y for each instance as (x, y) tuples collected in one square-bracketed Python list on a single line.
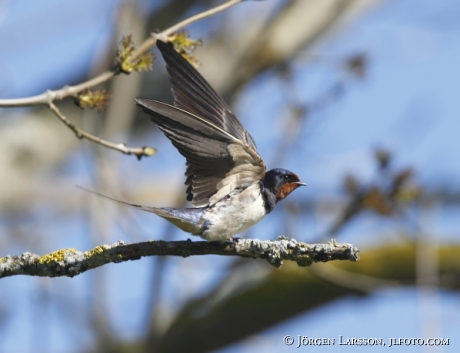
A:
[(156, 210), (187, 219)]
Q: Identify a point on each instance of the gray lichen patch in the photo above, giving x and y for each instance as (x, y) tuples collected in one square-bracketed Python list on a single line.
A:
[(284, 248)]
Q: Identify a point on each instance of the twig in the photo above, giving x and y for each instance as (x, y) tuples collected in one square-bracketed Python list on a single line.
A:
[(150, 42), (70, 262), (200, 16), (49, 97), (138, 152), (71, 91)]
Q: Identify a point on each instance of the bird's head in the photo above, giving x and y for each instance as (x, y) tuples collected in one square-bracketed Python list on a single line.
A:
[(281, 182)]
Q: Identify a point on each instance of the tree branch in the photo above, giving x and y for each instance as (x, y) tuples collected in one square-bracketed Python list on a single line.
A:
[(71, 91), (200, 16), (70, 262), (138, 152), (49, 97)]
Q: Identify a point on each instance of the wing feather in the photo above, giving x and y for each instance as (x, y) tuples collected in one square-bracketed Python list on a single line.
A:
[(195, 95), (221, 154)]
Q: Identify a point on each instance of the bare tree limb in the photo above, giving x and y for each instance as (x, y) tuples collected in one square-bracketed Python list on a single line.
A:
[(70, 262)]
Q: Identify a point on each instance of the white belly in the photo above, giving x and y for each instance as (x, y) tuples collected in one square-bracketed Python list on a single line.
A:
[(233, 215)]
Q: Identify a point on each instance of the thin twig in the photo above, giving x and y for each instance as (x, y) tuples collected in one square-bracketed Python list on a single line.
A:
[(138, 152), (70, 262), (48, 97), (200, 16), (71, 91), (150, 42)]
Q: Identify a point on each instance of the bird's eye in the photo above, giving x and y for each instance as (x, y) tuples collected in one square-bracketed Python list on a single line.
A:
[(286, 177)]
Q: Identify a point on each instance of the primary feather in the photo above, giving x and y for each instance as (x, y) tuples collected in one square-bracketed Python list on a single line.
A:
[(221, 154)]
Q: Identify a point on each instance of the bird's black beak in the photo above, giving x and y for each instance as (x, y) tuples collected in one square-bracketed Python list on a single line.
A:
[(299, 183)]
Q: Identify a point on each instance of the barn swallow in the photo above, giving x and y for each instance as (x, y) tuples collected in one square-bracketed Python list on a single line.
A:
[(226, 178)]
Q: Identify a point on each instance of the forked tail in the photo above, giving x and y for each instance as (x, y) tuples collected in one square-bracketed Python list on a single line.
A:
[(190, 220)]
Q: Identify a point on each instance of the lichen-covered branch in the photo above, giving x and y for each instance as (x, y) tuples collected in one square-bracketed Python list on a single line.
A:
[(70, 262)]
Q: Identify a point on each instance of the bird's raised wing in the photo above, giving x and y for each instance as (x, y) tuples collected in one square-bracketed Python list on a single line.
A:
[(221, 154), (217, 161), (195, 95)]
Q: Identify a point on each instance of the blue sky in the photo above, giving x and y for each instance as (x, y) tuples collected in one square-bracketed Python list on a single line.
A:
[(408, 102)]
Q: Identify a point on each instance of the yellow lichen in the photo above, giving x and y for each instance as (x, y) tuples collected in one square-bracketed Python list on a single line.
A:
[(97, 250), (100, 255), (303, 245), (55, 256)]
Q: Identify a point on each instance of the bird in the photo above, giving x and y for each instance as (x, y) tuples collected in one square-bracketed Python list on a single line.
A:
[(226, 178)]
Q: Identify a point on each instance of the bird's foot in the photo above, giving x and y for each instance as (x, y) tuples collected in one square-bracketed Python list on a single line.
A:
[(233, 240)]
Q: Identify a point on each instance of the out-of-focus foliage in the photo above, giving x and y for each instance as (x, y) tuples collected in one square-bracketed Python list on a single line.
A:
[(97, 99)]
